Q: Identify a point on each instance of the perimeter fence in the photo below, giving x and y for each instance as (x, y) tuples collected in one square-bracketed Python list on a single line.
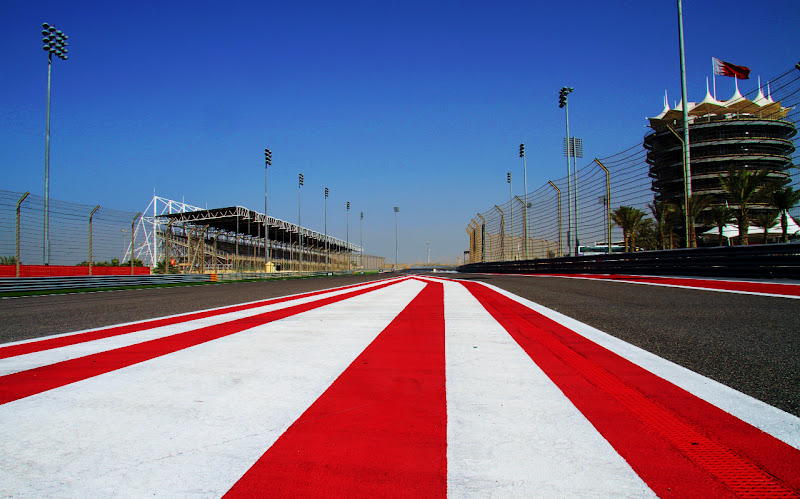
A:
[(110, 239), (508, 232), (79, 234)]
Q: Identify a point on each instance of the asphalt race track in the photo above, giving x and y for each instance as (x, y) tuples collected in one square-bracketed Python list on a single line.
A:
[(31, 317), (469, 385), (748, 342)]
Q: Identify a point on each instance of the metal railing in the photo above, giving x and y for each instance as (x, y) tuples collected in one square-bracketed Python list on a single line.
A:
[(31, 284), (757, 261), (25, 284)]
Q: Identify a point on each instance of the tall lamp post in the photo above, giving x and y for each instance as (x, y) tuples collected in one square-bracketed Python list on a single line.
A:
[(347, 232), (525, 206), (361, 238), (562, 102), (55, 42), (299, 224), (396, 211), (267, 163), (511, 212), (327, 250)]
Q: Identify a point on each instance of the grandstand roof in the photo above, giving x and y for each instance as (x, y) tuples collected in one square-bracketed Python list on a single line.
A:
[(240, 220)]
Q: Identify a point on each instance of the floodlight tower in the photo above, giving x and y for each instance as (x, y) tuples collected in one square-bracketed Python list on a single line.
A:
[(55, 42), (511, 212), (396, 211), (361, 238), (267, 163), (525, 217), (299, 223), (562, 102), (327, 248), (347, 229)]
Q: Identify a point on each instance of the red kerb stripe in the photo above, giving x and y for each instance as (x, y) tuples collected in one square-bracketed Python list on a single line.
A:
[(74, 339), (26, 383), (744, 286), (678, 443), (380, 430)]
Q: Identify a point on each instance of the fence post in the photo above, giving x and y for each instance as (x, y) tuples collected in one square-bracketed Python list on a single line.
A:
[(560, 247), (608, 202), (502, 233), (483, 238), (167, 242), (525, 223), (90, 237), (133, 237), (19, 204)]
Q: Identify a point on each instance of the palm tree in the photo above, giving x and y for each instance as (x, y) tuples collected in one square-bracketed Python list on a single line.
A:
[(720, 216), (674, 219), (765, 220), (784, 200), (661, 211), (743, 188), (628, 218), (697, 204), (646, 234)]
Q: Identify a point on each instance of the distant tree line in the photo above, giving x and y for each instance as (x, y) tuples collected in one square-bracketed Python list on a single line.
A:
[(113, 263)]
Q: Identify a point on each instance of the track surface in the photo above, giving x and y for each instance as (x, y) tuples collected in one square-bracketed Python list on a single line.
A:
[(406, 386), (32, 317), (748, 342)]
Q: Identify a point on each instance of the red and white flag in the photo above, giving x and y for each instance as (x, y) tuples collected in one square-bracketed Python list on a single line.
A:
[(723, 68)]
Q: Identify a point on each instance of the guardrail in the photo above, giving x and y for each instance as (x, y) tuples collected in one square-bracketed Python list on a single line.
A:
[(758, 261), (24, 284)]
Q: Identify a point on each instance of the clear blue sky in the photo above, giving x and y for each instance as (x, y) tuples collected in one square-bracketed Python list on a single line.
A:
[(416, 104)]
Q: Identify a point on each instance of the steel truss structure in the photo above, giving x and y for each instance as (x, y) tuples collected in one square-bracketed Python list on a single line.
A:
[(196, 240)]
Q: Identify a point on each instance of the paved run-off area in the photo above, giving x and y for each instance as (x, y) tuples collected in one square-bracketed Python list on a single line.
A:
[(409, 386)]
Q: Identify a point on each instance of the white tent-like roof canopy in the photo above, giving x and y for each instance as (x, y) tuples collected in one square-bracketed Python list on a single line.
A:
[(732, 230), (762, 106)]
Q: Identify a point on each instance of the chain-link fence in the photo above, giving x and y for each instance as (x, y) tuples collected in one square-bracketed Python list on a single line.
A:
[(77, 233), (548, 228)]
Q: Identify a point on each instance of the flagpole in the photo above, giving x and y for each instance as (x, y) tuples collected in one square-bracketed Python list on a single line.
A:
[(714, 77), (687, 169)]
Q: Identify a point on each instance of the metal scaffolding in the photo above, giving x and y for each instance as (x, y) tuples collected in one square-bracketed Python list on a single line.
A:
[(189, 239)]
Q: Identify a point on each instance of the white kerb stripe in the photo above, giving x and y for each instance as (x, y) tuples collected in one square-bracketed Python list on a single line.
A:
[(46, 357), (778, 423), (191, 422), (510, 431)]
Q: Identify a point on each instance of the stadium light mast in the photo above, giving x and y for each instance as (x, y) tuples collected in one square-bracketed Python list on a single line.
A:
[(299, 223), (396, 211), (525, 196), (267, 163), (562, 102), (55, 42), (361, 238), (347, 232), (327, 248), (511, 208)]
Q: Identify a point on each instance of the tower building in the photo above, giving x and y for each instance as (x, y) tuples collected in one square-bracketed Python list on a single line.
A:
[(738, 132)]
